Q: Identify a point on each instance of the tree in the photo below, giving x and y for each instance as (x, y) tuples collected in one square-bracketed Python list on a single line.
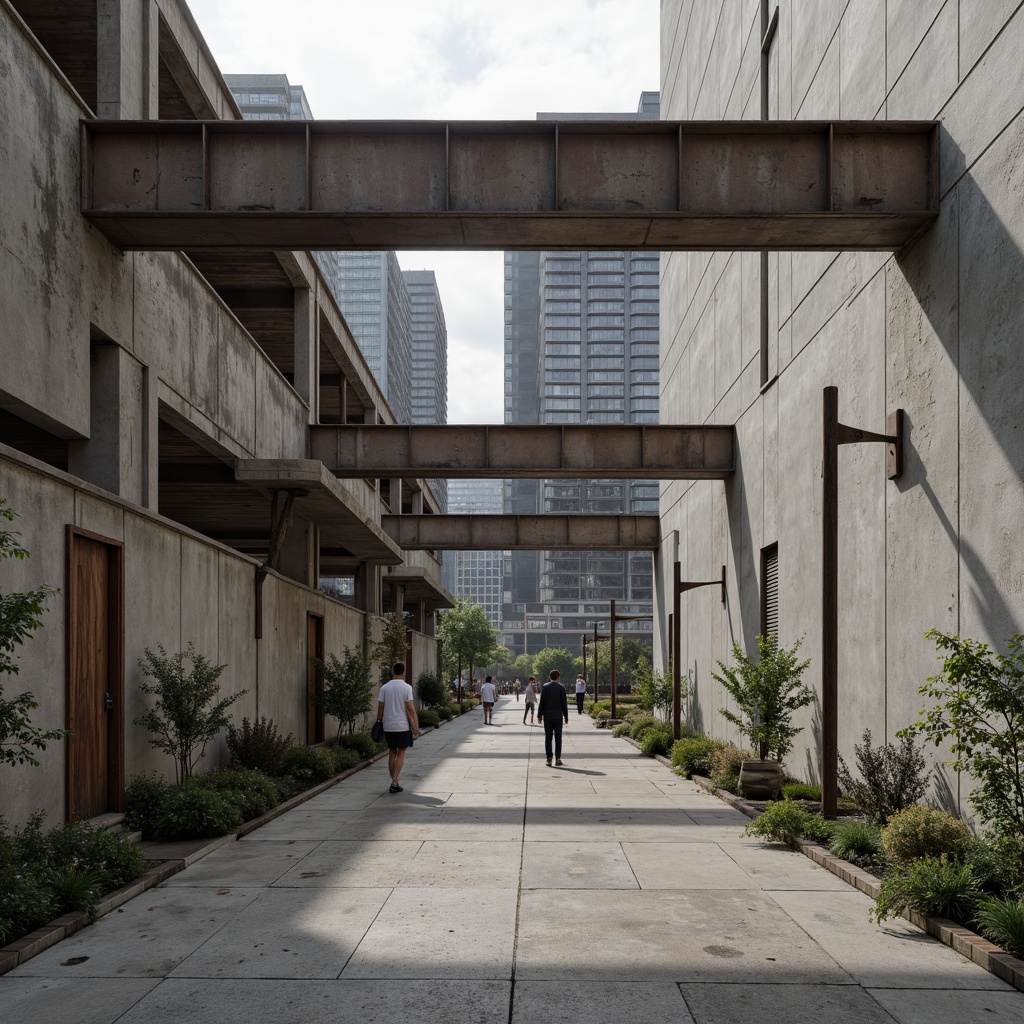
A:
[(393, 645), (556, 657), (652, 688), (466, 637), (767, 693), (20, 616), (432, 692), (348, 688), (628, 653), (522, 667), (183, 719)]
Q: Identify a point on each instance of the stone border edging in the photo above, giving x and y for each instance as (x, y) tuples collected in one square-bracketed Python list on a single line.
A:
[(20, 950)]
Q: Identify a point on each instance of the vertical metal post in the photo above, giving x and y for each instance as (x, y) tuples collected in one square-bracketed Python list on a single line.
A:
[(676, 650), (830, 602), (460, 679), (613, 654), (597, 692), (583, 645)]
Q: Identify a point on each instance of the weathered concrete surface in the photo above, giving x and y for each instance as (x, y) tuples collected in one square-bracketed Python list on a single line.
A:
[(448, 902)]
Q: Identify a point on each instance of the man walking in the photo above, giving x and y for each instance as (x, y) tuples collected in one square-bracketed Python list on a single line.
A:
[(581, 693), (397, 713), (488, 695), (530, 697), (552, 709)]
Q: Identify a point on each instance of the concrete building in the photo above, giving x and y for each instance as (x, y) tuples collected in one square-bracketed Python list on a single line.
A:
[(155, 413), (269, 98), (476, 576), (581, 346), (933, 328)]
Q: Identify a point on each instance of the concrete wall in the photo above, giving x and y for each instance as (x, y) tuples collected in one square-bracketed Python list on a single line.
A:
[(934, 330)]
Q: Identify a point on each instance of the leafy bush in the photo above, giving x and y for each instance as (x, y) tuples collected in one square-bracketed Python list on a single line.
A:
[(431, 691), (594, 708), (78, 889), (653, 692), (932, 885), (728, 759), (428, 717), (348, 687), (257, 746), (997, 863), (445, 712), (642, 725), (816, 828), (344, 758), (466, 705), (143, 797), (779, 821), (801, 791), (855, 839), (83, 847), (892, 777), (26, 902), (253, 792), (921, 831), (657, 741), (979, 704), (192, 812), (1002, 922), (361, 743), (308, 764), (622, 729), (184, 718), (691, 755)]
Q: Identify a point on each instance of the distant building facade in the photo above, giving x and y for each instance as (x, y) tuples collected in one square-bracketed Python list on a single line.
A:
[(476, 576)]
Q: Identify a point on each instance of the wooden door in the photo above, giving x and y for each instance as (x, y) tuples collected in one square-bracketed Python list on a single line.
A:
[(314, 679), (95, 707)]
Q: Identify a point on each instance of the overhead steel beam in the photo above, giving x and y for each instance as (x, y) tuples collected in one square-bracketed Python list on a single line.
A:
[(526, 451), (523, 533), (658, 185)]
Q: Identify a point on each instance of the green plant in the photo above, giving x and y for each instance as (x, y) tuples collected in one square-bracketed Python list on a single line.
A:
[(428, 717), (724, 765), (192, 812), (801, 791), (641, 726), (431, 691), (935, 886), (466, 705), (26, 902), (767, 693), (816, 828), (657, 741), (653, 691), (921, 831), (445, 712), (1002, 922), (343, 757), (253, 792), (81, 846), (465, 637), (348, 687), (691, 755), (393, 644), (308, 764), (997, 863), (144, 798), (855, 839), (780, 821), (78, 889), (622, 729), (979, 699), (257, 746), (20, 616), (361, 743), (892, 777), (183, 720)]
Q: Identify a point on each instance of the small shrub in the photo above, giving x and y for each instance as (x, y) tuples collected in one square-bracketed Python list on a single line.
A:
[(852, 839), (728, 759), (344, 759), (257, 746), (308, 764), (817, 829), (1002, 922), (428, 717), (780, 821), (144, 798), (604, 715), (78, 889), (997, 863), (253, 792), (657, 741), (801, 791), (444, 712), (921, 831), (361, 743), (932, 885), (80, 846), (691, 756), (642, 725), (467, 705), (192, 812), (595, 708), (431, 691), (26, 902), (622, 729), (727, 780), (892, 777)]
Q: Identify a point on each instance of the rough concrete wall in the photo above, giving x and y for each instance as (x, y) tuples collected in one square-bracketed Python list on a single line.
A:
[(933, 330)]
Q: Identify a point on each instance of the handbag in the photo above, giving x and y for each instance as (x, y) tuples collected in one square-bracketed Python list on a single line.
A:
[(377, 731)]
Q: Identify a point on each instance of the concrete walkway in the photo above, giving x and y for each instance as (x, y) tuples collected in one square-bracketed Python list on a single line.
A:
[(495, 889)]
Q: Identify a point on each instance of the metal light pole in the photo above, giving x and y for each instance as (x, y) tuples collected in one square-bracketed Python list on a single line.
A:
[(678, 587)]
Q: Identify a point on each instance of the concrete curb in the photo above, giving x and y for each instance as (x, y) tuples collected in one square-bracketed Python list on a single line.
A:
[(966, 942)]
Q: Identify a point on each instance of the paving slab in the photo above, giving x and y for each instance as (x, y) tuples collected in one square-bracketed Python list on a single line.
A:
[(474, 865), (951, 1006), (315, 824), (248, 863), (794, 1004), (288, 933), (70, 1000), (557, 865), (686, 866), (352, 864), (575, 1002), (777, 867)]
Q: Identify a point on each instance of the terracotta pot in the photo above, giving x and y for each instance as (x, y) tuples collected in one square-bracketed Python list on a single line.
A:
[(760, 780)]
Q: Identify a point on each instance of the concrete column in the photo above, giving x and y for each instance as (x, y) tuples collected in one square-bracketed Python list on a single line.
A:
[(115, 457), (298, 561), (417, 503), (307, 351), (127, 59), (150, 440), (395, 496), (368, 588)]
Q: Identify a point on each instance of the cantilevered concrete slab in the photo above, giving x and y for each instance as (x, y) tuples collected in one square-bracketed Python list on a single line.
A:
[(523, 533), (626, 451), (510, 185), (420, 585), (322, 499)]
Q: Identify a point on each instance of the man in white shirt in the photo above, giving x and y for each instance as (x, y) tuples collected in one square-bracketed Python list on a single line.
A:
[(488, 695), (397, 713), (581, 693)]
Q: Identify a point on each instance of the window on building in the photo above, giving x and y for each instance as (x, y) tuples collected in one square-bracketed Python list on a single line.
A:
[(770, 590)]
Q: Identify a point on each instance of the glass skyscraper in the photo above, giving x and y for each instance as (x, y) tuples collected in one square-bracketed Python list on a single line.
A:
[(476, 576)]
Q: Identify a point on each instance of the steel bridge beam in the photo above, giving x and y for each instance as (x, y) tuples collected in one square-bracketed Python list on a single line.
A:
[(625, 451), (657, 185), (523, 533)]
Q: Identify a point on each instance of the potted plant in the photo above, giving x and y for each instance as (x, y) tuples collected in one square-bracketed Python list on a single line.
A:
[(766, 693)]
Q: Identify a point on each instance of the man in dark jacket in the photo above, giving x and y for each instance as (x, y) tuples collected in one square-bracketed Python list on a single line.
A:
[(552, 710)]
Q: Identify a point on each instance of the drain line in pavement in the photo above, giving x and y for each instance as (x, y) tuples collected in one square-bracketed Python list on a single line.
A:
[(519, 886)]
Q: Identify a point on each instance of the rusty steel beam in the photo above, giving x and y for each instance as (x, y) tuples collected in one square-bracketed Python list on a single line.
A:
[(526, 451), (656, 185), (523, 533)]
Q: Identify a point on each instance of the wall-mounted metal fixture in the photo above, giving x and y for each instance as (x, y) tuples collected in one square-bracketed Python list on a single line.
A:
[(620, 618)]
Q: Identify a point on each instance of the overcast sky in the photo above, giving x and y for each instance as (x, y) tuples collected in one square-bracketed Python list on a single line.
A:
[(447, 60)]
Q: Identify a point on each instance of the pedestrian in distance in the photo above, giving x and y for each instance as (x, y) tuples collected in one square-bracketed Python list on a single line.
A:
[(581, 693), (518, 687), (488, 695), (397, 713), (552, 710), (530, 697)]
